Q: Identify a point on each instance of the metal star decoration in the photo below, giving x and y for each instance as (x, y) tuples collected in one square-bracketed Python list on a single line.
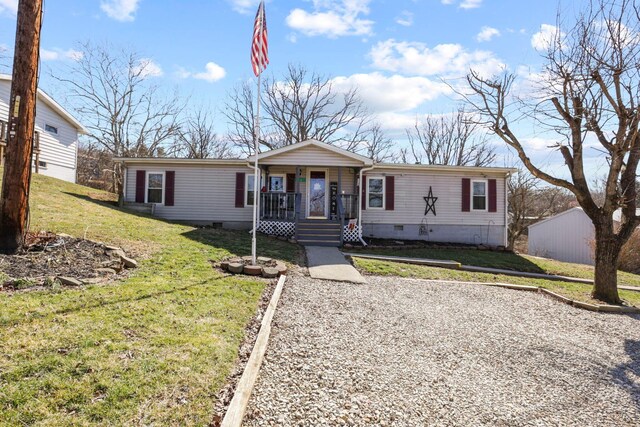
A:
[(431, 203)]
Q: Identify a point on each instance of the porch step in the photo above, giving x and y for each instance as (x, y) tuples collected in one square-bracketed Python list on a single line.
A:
[(318, 233)]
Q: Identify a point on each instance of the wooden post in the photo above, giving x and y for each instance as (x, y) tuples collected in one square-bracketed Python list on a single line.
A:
[(14, 203)]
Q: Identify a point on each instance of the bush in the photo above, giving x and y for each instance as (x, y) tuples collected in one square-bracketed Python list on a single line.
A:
[(630, 254)]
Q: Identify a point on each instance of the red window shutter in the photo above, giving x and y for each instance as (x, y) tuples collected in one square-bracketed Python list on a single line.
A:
[(170, 186), (291, 183), (493, 202), (389, 193), (363, 184), (466, 195), (240, 177), (141, 177)]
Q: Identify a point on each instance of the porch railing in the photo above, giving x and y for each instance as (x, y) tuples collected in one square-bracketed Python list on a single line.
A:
[(276, 206), (350, 205)]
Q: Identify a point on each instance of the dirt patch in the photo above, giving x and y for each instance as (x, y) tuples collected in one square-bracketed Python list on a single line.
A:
[(48, 257)]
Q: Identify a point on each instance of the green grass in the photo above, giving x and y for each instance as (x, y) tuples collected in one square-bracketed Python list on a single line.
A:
[(577, 291), (152, 349), (504, 260)]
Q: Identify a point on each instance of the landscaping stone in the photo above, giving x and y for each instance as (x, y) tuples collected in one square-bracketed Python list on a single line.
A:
[(224, 265), (270, 272), (281, 267), (292, 240), (236, 267), (253, 270), (69, 281), (348, 246), (264, 259), (112, 248), (129, 262), (247, 258)]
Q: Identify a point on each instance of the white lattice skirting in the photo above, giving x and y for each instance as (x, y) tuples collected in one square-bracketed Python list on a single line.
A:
[(277, 228), (351, 234)]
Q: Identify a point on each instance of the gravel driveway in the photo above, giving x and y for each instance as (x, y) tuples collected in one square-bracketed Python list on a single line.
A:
[(409, 352)]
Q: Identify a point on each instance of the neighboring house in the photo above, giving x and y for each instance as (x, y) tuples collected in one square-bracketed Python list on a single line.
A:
[(299, 196), (568, 236), (56, 135)]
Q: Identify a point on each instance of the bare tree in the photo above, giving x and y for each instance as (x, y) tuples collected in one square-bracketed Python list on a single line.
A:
[(529, 202), (199, 140), (449, 140), (301, 105), (95, 166), (591, 89), (378, 146), (124, 113)]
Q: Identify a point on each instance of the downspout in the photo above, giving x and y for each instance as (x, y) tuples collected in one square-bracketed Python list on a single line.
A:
[(506, 209), (360, 204)]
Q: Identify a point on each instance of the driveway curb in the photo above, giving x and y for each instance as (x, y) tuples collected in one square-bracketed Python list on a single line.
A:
[(238, 406)]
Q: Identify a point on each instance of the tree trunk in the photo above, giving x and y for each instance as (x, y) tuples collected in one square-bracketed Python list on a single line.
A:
[(606, 258), (14, 204)]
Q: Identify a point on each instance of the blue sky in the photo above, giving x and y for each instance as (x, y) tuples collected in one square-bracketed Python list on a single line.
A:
[(395, 51)]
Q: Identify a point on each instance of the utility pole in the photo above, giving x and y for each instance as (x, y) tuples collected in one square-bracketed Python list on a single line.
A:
[(14, 201)]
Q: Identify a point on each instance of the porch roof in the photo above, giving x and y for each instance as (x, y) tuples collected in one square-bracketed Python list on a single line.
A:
[(312, 153)]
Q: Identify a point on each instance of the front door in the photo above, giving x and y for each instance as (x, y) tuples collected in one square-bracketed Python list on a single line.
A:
[(317, 194)]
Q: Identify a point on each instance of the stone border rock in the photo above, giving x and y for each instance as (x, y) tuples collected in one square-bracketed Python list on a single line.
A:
[(266, 267), (238, 406)]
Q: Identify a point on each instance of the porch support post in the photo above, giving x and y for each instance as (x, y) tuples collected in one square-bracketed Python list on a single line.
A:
[(338, 203), (297, 201)]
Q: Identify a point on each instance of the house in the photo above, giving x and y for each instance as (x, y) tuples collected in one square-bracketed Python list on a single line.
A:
[(322, 194), (56, 134)]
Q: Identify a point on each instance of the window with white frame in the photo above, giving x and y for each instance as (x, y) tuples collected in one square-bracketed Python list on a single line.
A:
[(479, 195), (375, 192), (277, 183), (250, 194), (155, 184)]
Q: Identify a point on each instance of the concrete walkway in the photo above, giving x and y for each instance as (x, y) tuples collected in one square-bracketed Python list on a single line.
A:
[(328, 263)]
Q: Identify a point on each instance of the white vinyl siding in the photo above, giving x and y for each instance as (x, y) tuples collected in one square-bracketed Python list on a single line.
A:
[(202, 193), (567, 237), (411, 186), (311, 156), (58, 151)]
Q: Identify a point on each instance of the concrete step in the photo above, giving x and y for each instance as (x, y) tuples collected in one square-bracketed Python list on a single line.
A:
[(324, 231), (331, 243)]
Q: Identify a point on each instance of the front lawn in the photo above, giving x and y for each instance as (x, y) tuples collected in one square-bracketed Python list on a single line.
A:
[(577, 291), (153, 349), (504, 260)]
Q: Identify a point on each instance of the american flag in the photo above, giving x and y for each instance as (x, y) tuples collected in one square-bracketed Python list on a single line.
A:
[(260, 45)]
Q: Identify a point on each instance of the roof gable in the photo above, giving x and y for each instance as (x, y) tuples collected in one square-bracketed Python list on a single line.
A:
[(313, 148), (51, 103)]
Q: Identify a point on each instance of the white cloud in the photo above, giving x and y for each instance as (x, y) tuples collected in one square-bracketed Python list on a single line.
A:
[(444, 59), (542, 39), (120, 10), (470, 4), (487, 33), (464, 4), (244, 6), (332, 18), (59, 54), (395, 93), (148, 68), (213, 72), (10, 6), (405, 19)]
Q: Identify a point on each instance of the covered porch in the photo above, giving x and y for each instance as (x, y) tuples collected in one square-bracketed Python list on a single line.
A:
[(309, 199)]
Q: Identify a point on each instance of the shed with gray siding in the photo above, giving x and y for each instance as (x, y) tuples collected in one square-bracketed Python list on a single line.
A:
[(567, 236)]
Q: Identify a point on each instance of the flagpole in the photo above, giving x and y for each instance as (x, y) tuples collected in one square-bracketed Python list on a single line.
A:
[(256, 183)]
